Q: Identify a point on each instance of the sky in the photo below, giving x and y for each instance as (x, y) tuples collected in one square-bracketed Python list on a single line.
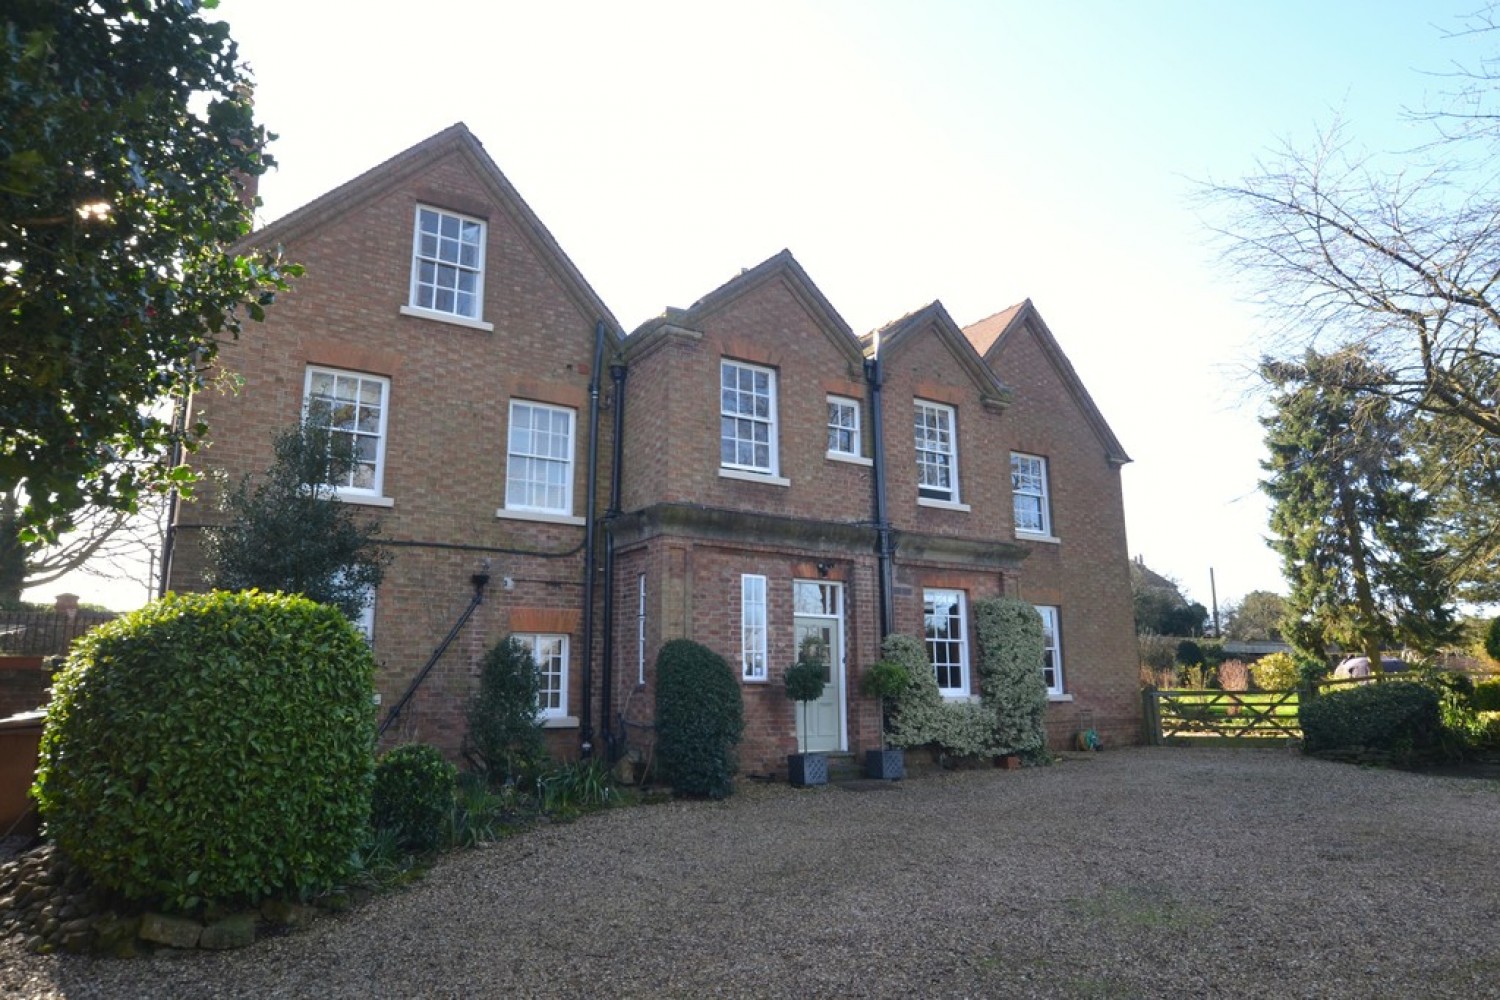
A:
[(978, 153)]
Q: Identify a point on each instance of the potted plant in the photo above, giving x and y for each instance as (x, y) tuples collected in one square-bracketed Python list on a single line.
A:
[(885, 680), (804, 682)]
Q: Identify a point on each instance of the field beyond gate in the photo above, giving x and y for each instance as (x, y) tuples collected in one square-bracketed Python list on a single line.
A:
[(1206, 717)]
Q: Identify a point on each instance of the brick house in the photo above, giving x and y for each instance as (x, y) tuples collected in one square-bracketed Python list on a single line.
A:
[(732, 452)]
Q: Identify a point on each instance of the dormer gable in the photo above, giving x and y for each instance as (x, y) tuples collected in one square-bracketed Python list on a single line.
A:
[(990, 336), (781, 269), (932, 324)]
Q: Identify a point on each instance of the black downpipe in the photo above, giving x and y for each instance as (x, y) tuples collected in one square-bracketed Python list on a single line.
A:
[(586, 715), (612, 741), (876, 379), (479, 580)]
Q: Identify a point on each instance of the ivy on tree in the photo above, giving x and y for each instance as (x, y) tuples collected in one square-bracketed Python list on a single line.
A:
[(128, 134), (288, 533)]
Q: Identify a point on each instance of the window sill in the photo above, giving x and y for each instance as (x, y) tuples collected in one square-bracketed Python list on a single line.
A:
[(839, 456), (1059, 697), (560, 722), (753, 477), (958, 697), (1032, 536), (537, 515), (449, 318), (755, 680), (362, 499), (943, 504)]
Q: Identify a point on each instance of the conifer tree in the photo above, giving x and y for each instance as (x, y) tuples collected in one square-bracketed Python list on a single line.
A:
[(1353, 531)]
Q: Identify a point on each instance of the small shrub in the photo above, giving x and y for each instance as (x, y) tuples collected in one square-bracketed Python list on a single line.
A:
[(1401, 718), (1011, 647), (1157, 652), (414, 788), (1197, 678), (1189, 653), (885, 680), (1234, 675), (1492, 640), (1487, 695), (1276, 672), (699, 718), (212, 748), (504, 741)]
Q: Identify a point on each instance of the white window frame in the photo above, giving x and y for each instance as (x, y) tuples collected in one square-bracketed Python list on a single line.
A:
[(552, 694), (353, 429), (435, 254), (640, 629), (933, 454), (516, 460), (1052, 662), (754, 629), (951, 644), (844, 418), (1029, 486), (772, 466)]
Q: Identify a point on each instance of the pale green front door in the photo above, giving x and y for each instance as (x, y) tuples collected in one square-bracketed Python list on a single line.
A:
[(819, 612)]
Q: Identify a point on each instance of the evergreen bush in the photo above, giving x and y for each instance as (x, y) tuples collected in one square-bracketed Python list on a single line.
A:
[(505, 741), (414, 793), (699, 718), (920, 715), (1011, 647), (1401, 718), (212, 748), (1492, 640), (1276, 672), (1487, 696), (1189, 653)]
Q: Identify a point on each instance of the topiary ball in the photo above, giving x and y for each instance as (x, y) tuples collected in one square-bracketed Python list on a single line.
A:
[(212, 748), (413, 797)]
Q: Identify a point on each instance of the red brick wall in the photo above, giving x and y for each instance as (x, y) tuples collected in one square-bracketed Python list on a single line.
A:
[(1086, 572), (450, 390)]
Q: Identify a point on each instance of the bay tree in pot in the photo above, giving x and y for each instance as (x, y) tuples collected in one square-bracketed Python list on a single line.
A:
[(805, 680), (885, 680)]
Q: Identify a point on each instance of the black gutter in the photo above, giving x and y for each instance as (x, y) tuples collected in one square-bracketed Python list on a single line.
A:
[(612, 741), (479, 580), (586, 713), (876, 379)]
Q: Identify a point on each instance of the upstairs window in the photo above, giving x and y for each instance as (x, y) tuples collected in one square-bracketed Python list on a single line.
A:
[(352, 408), (937, 452), (447, 268), (843, 426), (747, 418), (539, 465), (1028, 487), (947, 647)]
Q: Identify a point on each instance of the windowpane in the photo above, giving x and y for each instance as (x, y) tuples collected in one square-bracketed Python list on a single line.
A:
[(1028, 483), (943, 620), (747, 407), (539, 467), (351, 408), (753, 628), (448, 263), (936, 454)]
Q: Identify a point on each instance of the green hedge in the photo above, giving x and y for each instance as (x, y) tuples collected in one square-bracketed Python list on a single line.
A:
[(700, 716), (212, 748), (414, 793), (1487, 696), (1401, 718), (1011, 646)]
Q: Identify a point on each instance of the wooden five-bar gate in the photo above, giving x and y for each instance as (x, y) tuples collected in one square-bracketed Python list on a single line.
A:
[(1207, 717)]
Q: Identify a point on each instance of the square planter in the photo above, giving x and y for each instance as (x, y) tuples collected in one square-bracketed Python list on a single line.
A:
[(1009, 762), (887, 765), (807, 769)]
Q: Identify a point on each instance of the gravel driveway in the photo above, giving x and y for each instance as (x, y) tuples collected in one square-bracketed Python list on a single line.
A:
[(1132, 873)]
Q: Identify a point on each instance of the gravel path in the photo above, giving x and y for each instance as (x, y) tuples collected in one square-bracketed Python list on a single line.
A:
[(1132, 873)]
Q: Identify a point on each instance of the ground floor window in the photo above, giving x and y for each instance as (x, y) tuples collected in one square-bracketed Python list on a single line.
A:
[(640, 629), (1051, 650), (943, 620), (753, 627), (550, 652)]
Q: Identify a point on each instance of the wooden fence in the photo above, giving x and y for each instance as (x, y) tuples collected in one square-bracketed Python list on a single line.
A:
[(1208, 717)]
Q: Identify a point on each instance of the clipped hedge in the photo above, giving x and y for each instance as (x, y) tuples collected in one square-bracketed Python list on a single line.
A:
[(1401, 718), (413, 797), (700, 716), (921, 716), (212, 748)]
